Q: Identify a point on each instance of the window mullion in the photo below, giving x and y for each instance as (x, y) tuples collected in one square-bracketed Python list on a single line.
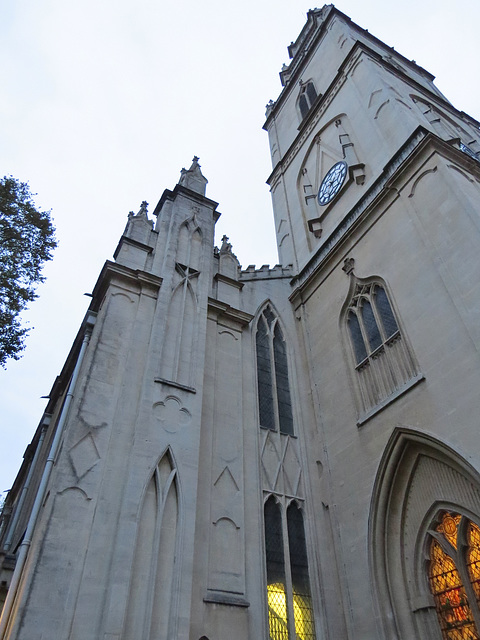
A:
[(276, 411), (288, 574)]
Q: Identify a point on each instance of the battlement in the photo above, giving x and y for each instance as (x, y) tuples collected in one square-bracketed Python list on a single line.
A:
[(266, 272)]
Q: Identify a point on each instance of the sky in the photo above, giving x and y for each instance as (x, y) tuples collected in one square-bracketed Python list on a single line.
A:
[(103, 103)]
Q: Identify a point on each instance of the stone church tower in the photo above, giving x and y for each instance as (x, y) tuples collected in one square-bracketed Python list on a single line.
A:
[(286, 452)]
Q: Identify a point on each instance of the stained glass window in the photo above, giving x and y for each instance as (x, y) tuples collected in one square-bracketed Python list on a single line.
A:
[(274, 400), (448, 563), (289, 598)]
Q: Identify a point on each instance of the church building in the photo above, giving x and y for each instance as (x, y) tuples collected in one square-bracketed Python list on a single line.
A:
[(289, 452)]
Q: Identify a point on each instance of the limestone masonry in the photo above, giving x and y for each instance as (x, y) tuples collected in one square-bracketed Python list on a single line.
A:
[(282, 453)]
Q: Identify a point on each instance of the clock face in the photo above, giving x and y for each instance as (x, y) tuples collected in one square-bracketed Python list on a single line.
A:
[(332, 183)]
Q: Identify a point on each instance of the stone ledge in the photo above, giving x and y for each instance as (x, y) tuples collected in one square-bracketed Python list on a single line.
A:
[(227, 599), (177, 385)]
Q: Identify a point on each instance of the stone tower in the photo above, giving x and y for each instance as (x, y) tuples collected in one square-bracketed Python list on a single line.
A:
[(286, 452)]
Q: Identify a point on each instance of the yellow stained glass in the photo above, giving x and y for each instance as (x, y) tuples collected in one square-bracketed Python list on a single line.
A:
[(277, 611), (451, 602), (303, 613)]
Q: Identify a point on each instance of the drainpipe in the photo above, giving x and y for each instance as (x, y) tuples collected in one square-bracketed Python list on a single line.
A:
[(27, 539), (26, 486)]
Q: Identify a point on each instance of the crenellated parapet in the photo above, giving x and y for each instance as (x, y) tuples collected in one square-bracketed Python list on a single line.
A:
[(266, 272)]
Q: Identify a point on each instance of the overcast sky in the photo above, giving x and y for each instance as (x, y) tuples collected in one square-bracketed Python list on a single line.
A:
[(103, 102)]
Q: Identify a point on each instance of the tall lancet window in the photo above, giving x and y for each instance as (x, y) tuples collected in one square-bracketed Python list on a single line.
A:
[(274, 400), (290, 611), (454, 576)]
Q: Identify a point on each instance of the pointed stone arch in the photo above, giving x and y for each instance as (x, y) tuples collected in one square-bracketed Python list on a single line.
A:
[(189, 244), (150, 610), (418, 477), (180, 332)]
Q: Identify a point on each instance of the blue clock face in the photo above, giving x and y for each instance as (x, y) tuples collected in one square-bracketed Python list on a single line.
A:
[(332, 183)]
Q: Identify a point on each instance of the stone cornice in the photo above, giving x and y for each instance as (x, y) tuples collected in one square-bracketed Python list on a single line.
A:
[(134, 243), (221, 312), (219, 277), (191, 195), (147, 282)]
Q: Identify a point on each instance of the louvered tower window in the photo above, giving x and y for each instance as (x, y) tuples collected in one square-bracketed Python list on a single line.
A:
[(307, 97), (274, 400), (290, 611)]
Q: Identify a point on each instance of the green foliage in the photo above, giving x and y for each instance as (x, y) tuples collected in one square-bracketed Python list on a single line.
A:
[(27, 241)]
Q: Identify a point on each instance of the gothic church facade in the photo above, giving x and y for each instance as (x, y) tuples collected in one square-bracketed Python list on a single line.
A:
[(286, 452)]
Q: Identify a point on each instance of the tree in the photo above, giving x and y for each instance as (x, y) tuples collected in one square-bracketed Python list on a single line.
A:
[(27, 241)]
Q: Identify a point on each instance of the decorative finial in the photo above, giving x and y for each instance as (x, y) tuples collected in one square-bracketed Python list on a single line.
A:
[(226, 246), (348, 265), (193, 178)]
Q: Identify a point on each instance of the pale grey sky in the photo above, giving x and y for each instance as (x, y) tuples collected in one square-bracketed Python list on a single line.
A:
[(103, 103)]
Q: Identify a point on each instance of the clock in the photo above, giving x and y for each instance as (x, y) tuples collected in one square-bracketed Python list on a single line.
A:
[(332, 183)]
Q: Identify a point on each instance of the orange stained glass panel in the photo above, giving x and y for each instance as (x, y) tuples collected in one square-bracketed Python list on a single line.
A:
[(473, 558), (451, 602)]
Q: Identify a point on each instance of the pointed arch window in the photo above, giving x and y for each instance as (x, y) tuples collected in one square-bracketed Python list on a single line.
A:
[(383, 360), (306, 98), (454, 575), (290, 610), (274, 399)]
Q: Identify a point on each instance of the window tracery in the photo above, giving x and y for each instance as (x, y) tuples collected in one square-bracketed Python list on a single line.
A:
[(383, 361), (454, 576)]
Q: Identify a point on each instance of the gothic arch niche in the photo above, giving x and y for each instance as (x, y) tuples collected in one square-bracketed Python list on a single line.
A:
[(418, 479), (189, 245), (150, 606), (179, 342)]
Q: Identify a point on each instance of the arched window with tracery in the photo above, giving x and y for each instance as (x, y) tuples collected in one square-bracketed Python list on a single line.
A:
[(274, 400), (290, 609), (454, 575), (384, 363)]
